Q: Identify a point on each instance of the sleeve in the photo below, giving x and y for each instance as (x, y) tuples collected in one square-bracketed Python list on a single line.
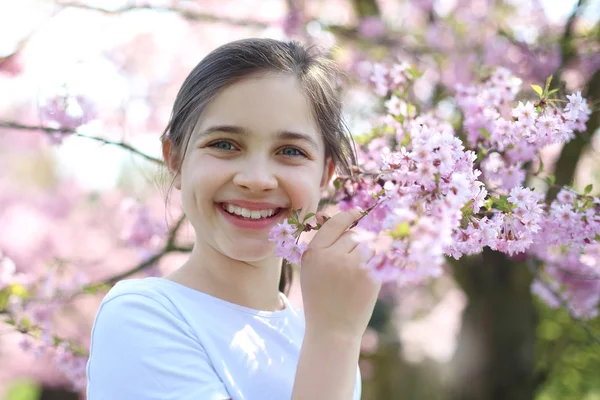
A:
[(139, 350)]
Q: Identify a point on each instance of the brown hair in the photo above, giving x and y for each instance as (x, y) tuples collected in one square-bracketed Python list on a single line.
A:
[(317, 74)]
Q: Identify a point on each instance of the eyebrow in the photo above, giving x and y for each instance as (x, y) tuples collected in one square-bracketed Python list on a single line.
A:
[(238, 130)]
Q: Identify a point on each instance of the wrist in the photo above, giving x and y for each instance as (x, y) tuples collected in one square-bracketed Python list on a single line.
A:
[(337, 337)]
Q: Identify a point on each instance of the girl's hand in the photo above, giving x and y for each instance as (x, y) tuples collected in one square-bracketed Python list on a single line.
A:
[(338, 292)]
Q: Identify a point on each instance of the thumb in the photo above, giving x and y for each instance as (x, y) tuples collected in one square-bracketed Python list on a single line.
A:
[(321, 217)]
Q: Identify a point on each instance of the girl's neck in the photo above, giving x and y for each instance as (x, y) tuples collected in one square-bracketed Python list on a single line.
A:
[(254, 285)]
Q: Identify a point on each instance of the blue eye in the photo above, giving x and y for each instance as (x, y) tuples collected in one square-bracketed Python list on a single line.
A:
[(292, 152), (222, 145)]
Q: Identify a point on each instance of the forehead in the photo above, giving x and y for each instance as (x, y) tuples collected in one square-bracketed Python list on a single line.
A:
[(263, 105)]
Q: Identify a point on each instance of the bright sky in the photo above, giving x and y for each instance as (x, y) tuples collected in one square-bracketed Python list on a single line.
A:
[(557, 10)]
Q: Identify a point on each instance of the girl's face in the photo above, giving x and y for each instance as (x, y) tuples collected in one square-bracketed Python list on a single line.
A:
[(256, 151)]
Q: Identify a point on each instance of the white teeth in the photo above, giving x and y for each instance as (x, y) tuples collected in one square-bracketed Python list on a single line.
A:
[(251, 214), (255, 214), (266, 213)]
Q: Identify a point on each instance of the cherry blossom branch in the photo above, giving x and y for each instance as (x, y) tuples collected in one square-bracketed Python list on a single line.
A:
[(34, 331), (170, 247), (48, 130), (186, 14)]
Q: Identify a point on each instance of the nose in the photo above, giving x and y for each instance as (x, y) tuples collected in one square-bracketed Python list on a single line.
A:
[(256, 176)]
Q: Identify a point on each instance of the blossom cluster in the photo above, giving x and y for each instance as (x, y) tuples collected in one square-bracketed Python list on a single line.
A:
[(430, 197), (287, 246), (570, 251), (513, 135), (31, 308), (394, 78), (65, 111)]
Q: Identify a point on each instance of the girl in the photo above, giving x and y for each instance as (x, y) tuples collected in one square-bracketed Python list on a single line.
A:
[(256, 132)]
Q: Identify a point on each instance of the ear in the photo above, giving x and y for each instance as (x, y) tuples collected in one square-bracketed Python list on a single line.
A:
[(327, 173), (171, 159)]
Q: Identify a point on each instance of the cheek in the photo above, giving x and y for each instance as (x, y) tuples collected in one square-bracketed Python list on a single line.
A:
[(304, 192), (197, 185)]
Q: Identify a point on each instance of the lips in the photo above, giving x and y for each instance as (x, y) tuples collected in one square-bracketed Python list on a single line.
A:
[(249, 223), (253, 205), (249, 213)]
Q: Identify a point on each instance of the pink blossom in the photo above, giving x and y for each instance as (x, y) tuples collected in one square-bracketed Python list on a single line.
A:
[(371, 27), (144, 229), (295, 252), (69, 112), (282, 232)]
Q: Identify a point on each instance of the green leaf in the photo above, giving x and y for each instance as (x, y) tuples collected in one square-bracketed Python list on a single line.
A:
[(23, 390), (551, 179), (552, 92), (597, 238), (337, 183), (488, 204), (25, 324), (502, 203), (588, 189), (307, 216), (405, 140), (538, 90), (401, 231), (467, 209), (485, 133), (414, 72), (94, 289), (541, 168), (548, 82)]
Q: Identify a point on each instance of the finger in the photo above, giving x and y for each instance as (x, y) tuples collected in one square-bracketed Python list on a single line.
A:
[(334, 227), (364, 252), (346, 243), (320, 217)]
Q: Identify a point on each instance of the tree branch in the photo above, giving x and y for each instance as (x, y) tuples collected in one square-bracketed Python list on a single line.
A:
[(47, 130), (568, 51), (186, 14), (170, 247)]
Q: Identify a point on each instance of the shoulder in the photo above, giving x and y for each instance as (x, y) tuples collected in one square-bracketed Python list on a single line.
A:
[(135, 306), (140, 288), (141, 348)]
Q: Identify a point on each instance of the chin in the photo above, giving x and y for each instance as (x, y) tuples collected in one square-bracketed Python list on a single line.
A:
[(250, 251)]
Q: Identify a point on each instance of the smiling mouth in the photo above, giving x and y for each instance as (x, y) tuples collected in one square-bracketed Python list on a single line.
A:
[(250, 215)]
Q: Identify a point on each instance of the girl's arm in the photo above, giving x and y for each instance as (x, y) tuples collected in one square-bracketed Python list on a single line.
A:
[(339, 296), (327, 367)]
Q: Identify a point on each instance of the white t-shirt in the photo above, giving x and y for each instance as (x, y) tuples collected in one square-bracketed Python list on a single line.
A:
[(154, 339)]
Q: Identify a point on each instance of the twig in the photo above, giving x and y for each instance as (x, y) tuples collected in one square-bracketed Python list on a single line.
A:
[(170, 247), (48, 130), (187, 14), (578, 276)]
